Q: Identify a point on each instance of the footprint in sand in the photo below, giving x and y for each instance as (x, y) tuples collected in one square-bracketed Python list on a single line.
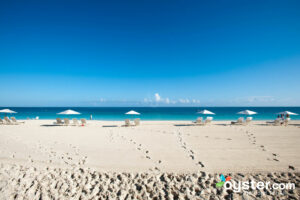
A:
[(275, 157), (291, 167), (201, 164)]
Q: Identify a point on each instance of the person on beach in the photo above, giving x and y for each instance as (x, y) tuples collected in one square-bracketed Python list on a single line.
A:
[(91, 117), (287, 116)]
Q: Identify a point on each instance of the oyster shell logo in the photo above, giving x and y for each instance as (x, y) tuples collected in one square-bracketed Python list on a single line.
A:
[(223, 180)]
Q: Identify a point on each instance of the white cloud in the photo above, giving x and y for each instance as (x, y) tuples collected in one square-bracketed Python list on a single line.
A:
[(102, 100), (167, 100), (195, 101), (255, 100), (260, 99), (184, 101), (157, 97)]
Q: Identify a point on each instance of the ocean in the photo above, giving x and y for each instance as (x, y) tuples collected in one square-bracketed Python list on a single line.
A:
[(150, 113)]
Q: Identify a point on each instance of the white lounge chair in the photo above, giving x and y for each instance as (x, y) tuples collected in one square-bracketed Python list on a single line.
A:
[(13, 119), (59, 121), (137, 121), (7, 121), (208, 120), (199, 121), (248, 120), (276, 122), (127, 122), (240, 121), (286, 121), (75, 122), (66, 121), (83, 122)]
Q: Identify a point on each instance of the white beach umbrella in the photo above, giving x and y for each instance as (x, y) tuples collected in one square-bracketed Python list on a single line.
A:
[(287, 113), (247, 112), (69, 112), (206, 112), (7, 111), (132, 112)]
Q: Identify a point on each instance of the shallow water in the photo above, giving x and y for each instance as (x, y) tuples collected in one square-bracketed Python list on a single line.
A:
[(150, 113)]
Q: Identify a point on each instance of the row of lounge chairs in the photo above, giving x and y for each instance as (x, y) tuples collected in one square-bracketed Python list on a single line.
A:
[(208, 120), (200, 121), (136, 122), (11, 121), (66, 122), (279, 122), (241, 121)]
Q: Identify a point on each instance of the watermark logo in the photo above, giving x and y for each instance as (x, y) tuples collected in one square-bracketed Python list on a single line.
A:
[(238, 186), (223, 180)]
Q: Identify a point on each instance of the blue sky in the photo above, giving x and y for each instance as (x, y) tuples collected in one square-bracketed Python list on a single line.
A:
[(150, 53)]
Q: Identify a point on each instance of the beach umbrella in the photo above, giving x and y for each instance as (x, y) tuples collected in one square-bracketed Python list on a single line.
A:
[(132, 112), (7, 111), (69, 112), (287, 113), (247, 112), (206, 112)]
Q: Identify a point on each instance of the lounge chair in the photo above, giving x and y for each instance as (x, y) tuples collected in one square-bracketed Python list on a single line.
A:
[(276, 122), (13, 119), (66, 121), (83, 122), (127, 122), (248, 120), (286, 121), (7, 121), (240, 121), (137, 121), (59, 121), (208, 120), (75, 122), (199, 121)]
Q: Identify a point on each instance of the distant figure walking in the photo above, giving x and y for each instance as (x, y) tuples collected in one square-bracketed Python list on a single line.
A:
[(91, 117)]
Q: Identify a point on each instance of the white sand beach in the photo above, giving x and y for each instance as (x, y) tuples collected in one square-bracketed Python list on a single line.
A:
[(40, 160)]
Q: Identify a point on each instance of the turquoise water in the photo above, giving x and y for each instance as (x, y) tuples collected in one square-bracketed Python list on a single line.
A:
[(150, 113)]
